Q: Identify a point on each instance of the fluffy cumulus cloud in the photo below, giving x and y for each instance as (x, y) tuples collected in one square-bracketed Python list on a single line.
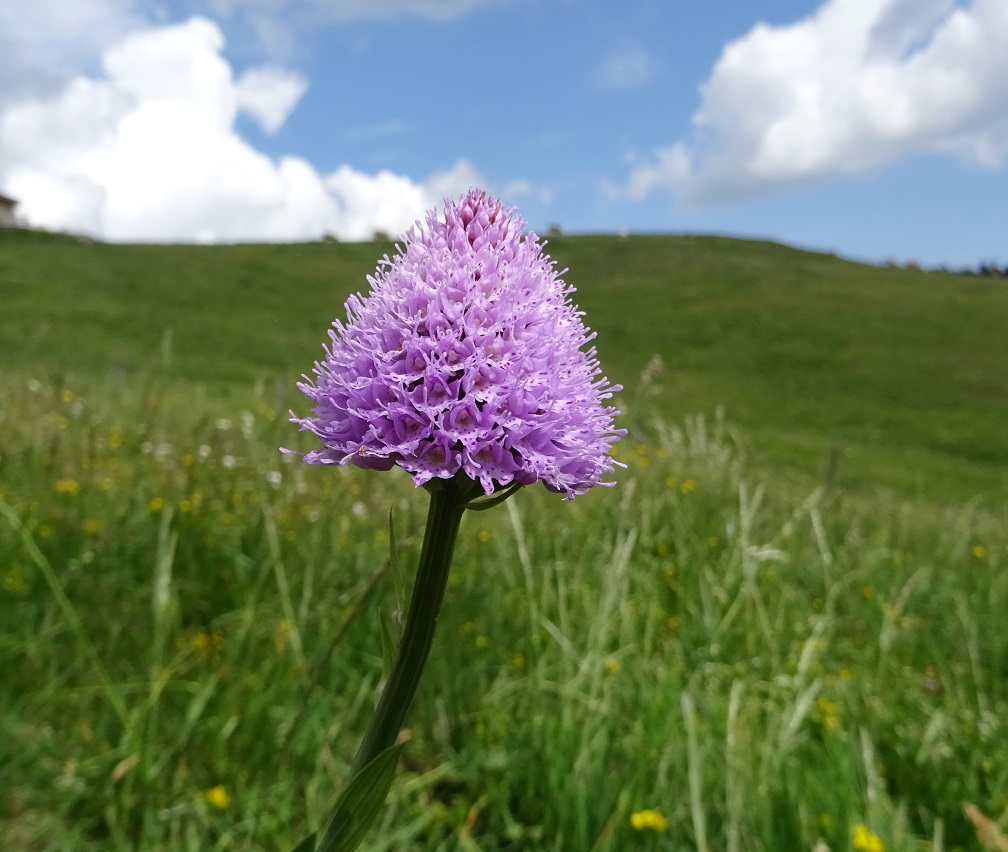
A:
[(388, 202), (42, 42), (854, 86), (269, 95), (147, 150)]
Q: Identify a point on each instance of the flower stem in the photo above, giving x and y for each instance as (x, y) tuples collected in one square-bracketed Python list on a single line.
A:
[(444, 515)]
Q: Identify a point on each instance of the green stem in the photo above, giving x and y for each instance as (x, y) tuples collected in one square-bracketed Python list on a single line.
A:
[(447, 504)]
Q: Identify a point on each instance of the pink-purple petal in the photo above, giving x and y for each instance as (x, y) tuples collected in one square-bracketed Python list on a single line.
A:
[(466, 355)]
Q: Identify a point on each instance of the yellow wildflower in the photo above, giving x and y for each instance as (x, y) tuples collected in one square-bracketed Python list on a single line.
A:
[(648, 819), (612, 665), (206, 641), (155, 504), (483, 536), (218, 797), (979, 551), (827, 712), (67, 486), (14, 582), (688, 487), (865, 840), (281, 634)]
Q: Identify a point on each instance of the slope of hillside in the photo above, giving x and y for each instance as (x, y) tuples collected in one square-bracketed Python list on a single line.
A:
[(886, 377)]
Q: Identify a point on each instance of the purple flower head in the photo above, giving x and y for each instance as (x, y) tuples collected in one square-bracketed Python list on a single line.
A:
[(467, 355)]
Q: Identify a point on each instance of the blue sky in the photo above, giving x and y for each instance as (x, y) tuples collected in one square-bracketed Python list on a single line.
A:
[(874, 128)]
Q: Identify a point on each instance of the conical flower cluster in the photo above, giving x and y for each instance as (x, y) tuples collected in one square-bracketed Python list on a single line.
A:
[(466, 356)]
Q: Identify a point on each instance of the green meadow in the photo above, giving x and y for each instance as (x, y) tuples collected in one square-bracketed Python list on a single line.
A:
[(783, 629)]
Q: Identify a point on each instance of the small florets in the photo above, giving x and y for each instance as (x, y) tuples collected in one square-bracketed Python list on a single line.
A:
[(467, 355)]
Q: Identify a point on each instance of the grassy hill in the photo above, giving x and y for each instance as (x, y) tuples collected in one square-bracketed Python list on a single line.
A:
[(189, 643), (889, 377)]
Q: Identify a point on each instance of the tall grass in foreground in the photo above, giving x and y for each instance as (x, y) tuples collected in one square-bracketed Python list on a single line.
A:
[(766, 667)]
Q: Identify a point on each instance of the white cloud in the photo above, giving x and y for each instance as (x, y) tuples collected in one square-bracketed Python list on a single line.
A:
[(43, 42), (148, 151), (628, 67), (393, 202), (269, 95), (670, 168), (175, 66), (453, 182), (856, 85), (390, 203)]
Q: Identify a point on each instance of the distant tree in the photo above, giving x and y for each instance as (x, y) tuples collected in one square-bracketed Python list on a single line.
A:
[(990, 269)]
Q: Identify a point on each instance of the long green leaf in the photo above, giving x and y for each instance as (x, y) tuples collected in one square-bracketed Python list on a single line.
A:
[(358, 806), (308, 844)]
